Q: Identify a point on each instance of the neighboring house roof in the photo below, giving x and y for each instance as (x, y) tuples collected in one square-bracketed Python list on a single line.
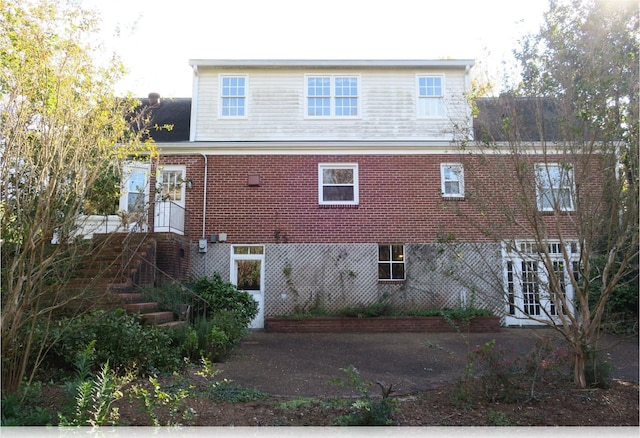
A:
[(171, 111), (510, 118)]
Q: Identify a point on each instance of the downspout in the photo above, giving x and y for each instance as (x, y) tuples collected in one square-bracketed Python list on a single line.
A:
[(467, 89), (192, 138), (204, 195)]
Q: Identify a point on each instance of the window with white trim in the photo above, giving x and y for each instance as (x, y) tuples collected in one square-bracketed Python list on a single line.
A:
[(338, 183), (452, 180), (391, 262), (233, 94), (430, 96), (554, 187), (332, 96)]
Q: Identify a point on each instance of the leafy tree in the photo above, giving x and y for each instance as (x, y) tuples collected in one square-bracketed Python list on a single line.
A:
[(61, 129), (567, 142)]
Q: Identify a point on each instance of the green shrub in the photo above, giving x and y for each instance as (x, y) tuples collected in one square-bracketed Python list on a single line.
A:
[(365, 410), (222, 295), (225, 391), (368, 311), (21, 408), (621, 310), (217, 343), (120, 339), (228, 315), (185, 338), (597, 370), (172, 401)]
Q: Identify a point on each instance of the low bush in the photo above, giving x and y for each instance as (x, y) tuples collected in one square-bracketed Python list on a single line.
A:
[(368, 311), (22, 407), (119, 338), (224, 296), (365, 410)]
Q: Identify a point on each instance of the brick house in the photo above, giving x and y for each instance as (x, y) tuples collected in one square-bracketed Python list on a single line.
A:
[(327, 184)]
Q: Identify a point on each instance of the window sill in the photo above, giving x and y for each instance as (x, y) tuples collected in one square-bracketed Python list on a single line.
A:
[(553, 212), (382, 281), (330, 206), (453, 198)]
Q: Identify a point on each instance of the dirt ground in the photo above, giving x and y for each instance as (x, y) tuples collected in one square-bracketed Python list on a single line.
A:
[(295, 372)]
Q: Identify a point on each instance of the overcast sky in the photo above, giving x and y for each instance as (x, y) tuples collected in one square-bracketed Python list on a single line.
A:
[(156, 38)]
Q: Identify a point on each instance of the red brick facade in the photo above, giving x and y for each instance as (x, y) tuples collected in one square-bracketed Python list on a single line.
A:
[(399, 199)]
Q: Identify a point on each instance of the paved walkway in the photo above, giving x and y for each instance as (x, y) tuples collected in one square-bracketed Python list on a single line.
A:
[(303, 365)]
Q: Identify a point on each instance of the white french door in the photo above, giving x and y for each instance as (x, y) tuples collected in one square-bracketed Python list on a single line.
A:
[(527, 283)]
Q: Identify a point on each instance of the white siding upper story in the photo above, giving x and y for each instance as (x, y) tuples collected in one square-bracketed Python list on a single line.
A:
[(275, 96)]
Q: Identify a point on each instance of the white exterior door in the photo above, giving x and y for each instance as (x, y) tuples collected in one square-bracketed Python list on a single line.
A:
[(527, 285), (135, 195), (247, 273), (170, 205)]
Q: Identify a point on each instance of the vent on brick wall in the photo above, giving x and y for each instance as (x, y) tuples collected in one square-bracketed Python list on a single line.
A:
[(253, 180)]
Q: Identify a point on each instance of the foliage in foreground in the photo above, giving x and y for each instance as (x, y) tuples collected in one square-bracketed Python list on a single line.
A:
[(217, 331), (366, 410), (119, 339), (61, 129)]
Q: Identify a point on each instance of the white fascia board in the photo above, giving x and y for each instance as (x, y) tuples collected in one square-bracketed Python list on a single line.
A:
[(302, 148), (310, 63)]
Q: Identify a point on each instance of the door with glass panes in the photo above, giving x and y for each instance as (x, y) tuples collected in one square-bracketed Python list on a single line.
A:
[(247, 273), (170, 203)]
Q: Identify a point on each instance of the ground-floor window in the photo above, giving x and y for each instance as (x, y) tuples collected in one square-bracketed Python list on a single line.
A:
[(532, 290), (391, 262)]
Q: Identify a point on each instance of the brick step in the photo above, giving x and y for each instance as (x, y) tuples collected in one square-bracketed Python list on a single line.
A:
[(158, 318), (173, 324), (130, 297), (118, 277), (142, 308), (116, 253), (117, 285)]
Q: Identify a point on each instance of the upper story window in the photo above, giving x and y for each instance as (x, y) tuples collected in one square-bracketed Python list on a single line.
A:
[(452, 180), (233, 96), (332, 96), (430, 96), (390, 262), (338, 184), (554, 187)]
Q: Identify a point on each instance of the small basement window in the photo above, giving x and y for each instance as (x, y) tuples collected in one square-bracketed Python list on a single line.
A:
[(391, 262)]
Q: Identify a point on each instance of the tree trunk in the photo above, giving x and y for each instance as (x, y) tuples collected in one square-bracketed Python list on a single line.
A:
[(579, 365)]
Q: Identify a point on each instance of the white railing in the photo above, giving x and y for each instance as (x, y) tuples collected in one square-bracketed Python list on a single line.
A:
[(88, 225)]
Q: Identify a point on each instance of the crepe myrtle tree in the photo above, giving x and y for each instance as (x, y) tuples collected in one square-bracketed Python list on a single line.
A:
[(61, 129), (554, 177)]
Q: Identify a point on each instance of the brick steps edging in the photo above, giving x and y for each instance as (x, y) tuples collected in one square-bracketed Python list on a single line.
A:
[(381, 324)]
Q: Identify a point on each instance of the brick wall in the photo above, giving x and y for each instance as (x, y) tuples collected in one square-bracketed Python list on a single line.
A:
[(173, 256), (428, 324), (400, 198)]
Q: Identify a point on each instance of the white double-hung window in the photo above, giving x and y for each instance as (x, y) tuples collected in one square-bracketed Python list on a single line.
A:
[(338, 184), (452, 180), (431, 96), (233, 96), (332, 96), (554, 187)]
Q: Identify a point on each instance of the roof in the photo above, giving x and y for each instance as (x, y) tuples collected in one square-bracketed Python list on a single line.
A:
[(174, 111), (340, 63), (511, 118)]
